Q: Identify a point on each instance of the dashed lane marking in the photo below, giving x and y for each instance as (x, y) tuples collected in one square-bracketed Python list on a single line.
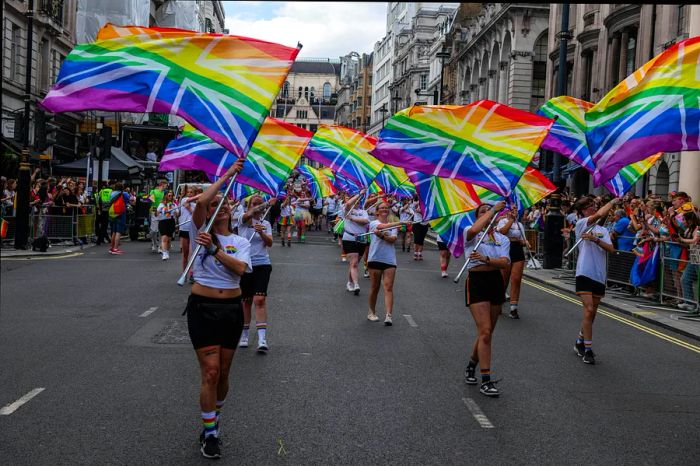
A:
[(478, 413), (631, 323), (149, 312), (410, 320), (12, 407)]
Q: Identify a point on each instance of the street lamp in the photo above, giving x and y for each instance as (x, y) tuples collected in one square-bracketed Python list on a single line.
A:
[(442, 55), (383, 110)]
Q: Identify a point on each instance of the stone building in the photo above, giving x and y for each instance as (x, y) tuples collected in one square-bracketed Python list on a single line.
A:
[(608, 42), (355, 92)]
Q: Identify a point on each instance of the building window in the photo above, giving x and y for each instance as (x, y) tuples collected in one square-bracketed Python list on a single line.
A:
[(326, 91), (631, 52), (681, 20), (306, 93), (539, 73), (43, 65), (359, 101), (285, 90), (313, 128), (15, 54), (312, 93), (279, 112), (302, 114), (423, 82)]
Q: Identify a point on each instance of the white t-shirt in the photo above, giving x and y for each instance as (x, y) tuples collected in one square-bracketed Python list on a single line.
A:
[(353, 229), (514, 232), (286, 210), (406, 213), (496, 246), (208, 271), (259, 253), (380, 250), (592, 259), (318, 203), (417, 213), (165, 211), (331, 205), (186, 215), (236, 214)]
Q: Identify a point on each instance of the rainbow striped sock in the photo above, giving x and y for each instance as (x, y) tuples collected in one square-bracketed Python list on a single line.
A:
[(588, 344), (485, 375), (262, 330), (209, 421)]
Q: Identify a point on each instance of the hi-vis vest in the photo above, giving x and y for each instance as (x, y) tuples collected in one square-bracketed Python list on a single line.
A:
[(104, 197)]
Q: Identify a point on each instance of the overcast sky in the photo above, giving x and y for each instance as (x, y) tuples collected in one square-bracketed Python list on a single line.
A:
[(325, 29)]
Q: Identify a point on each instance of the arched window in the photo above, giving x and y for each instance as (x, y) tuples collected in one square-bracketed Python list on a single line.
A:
[(662, 180), (285, 90), (301, 91), (306, 93), (326, 91), (312, 93)]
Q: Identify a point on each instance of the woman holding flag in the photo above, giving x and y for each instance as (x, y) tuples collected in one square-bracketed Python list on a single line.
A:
[(258, 231), (214, 312), (513, 272), (485, 292), (356, 222)]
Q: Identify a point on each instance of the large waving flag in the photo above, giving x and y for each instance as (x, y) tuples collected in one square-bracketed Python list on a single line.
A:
[(451, 230), (320, 184), (483, 143), (223, 85), (656, 108), (395, 180), (345, 151), (568, 137), (441, 197), (275, 152), (344, 183), (531, 189)]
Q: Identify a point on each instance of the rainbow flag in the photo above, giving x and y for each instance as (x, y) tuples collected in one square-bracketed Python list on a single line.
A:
[(568, 137), (656, 108), (239, 190), (483, 143), (274, 154), (223, 85), (395, 180), (346, 151), (451, 230), (344, 183), (374, 188), (319, 183), (531, 189), (441, 197)]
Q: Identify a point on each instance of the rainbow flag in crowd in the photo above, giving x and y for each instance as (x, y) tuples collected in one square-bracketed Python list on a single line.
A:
[(346, 151), (275, 152), (239, 190), (395, 180), (656, 108), (568, 137), (344, 183), (531, 189), (451, 230), (319, 184), (441, 197), (223, 85), (484, 143)]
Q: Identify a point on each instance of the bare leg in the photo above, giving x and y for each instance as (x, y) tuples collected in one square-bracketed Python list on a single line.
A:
[(389, 276), (375, 277)]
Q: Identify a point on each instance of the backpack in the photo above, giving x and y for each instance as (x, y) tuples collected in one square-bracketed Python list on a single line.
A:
[(117, 206)]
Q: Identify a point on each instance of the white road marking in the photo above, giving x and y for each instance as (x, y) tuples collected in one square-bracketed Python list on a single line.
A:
[(478, 413), (410, 320), (12, 407), (149, 312)]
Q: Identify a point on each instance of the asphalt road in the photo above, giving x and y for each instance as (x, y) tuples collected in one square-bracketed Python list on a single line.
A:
[(104, 337)]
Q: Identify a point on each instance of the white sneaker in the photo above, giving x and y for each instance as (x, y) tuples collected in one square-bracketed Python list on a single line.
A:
[(356, 290), (262, 346), (166, 255), (160, 251), (349, 286), (444, 274), (153, 248), (343, 259), (387, 320), (372, 317), (243, 342), (366, 273)]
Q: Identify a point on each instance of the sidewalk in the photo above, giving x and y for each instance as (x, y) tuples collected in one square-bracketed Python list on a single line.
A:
[(664, 316), (54, 250)]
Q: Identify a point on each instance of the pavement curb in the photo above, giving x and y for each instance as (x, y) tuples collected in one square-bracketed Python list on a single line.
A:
[(617, 308), (30, 254)]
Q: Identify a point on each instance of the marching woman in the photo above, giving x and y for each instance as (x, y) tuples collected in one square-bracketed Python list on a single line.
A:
[(382, 261), (591, 271), (513, 273), (445, 256), (420, 229), (406, 215), (187, 205), (302, 216), (166, 222), (356, 221), (214, 311), (258, 231), (286, 220), (485, 292)]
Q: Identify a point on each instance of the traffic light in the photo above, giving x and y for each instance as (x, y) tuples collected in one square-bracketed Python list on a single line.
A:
[(45, 130)]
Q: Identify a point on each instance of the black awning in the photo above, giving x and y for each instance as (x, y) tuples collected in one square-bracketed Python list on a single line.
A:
[(79, 167)]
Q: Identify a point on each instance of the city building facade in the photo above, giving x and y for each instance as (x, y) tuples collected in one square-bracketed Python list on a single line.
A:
[(355, 92), (607, 43)]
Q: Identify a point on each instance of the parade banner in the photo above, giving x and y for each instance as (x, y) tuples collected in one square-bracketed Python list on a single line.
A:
[(655, 109), (484, 143), (274, 154), (222, 85)]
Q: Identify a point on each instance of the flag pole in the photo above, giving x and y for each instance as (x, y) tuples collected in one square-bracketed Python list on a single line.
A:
[(478, 243), (590, 229), (207, 228)]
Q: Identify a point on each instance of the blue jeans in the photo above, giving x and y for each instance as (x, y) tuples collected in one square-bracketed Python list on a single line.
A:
[(690, 274)]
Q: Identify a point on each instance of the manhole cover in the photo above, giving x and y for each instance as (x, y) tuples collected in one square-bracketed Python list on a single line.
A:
[(174, 332)]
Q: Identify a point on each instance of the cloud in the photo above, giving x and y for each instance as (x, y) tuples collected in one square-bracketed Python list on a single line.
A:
[(325, 29)]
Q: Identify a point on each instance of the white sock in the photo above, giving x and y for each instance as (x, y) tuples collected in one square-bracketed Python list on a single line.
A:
[(513, 307), (262, 334)]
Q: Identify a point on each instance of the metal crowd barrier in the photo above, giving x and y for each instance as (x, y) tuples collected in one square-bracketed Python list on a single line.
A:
[(679, 278), (57, 226), (620, 267)]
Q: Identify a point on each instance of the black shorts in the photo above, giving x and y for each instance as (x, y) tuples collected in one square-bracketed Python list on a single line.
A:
[(255, 283), (167, 227), (184, 234), (353, 247), (517, 254), (220, 330), (442, 246), (585, 285), (419, 232), (379, 265), (485, 286), (315, 211)]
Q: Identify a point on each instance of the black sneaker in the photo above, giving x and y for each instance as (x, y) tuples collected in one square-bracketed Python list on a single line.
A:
[(210, 448), (469, 375), (489, 389), (580, 349), (514, 314), (589, 357)]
